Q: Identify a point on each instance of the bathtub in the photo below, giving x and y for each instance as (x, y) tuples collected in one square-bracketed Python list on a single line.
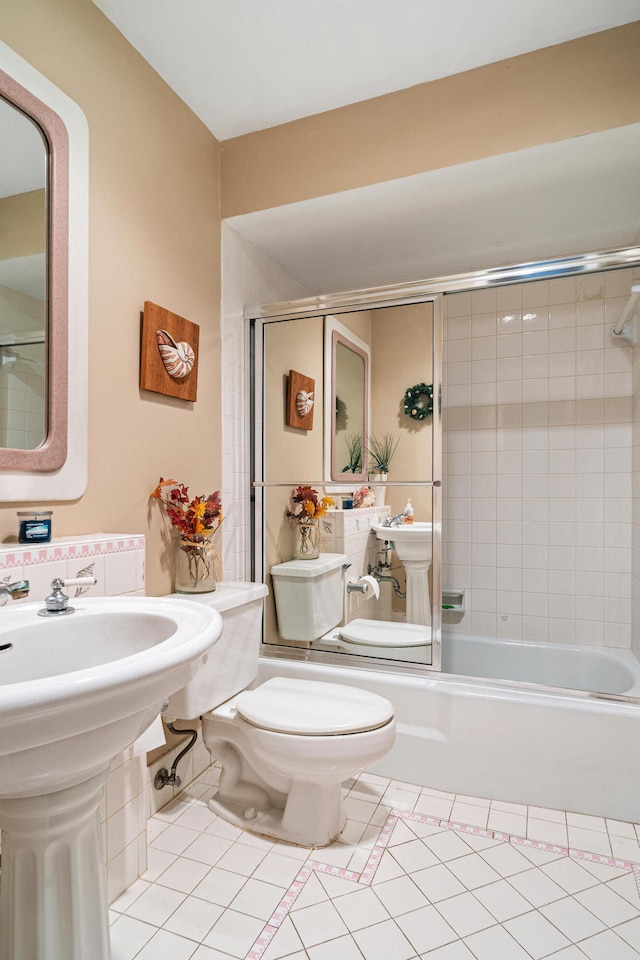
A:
[(489, 731)]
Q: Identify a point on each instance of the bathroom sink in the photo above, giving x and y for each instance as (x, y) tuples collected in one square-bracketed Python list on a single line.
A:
[(76, 690), (411, 541)]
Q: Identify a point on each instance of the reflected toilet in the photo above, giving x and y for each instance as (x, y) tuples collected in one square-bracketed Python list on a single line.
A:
[(382, 638)]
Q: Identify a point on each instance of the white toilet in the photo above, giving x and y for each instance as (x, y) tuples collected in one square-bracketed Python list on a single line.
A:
[(286, 746), (391, 640)]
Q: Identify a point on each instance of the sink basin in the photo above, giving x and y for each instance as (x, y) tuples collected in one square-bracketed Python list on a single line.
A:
[(74, 692), (411, 541)]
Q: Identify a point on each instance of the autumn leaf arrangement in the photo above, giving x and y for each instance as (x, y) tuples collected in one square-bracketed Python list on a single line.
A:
[(307, 505), (195, 519)]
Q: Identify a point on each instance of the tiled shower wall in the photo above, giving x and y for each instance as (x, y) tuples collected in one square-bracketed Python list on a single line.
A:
[(538, 461), (248, 278)]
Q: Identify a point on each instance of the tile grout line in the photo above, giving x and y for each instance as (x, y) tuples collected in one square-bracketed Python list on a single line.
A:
[(366, 876)]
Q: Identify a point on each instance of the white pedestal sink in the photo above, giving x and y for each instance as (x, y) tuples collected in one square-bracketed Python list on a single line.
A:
[(413, 542), (74, 692)]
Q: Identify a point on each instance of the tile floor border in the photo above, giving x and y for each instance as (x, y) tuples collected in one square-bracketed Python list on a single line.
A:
[(365, 878)]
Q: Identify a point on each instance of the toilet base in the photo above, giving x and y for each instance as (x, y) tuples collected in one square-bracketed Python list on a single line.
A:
[(313, 816)]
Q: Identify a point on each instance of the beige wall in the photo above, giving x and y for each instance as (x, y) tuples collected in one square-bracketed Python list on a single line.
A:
[(401, 357), (23, 224), (565, 91), (154, 235)]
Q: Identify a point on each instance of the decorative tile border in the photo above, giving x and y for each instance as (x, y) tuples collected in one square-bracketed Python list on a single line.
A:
[(366, 877), (68, 550)]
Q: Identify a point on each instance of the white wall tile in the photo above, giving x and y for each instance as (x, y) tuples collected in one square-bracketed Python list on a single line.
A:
[(559, 472)]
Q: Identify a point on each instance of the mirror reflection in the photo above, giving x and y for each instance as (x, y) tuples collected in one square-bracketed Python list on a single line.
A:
[(361, 584), (347, 396), (23, 275)]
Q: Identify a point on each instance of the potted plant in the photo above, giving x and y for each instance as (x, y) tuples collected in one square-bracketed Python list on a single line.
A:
[(353, 444), (381, 450)]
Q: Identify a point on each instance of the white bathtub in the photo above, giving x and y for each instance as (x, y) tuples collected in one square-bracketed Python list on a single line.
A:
[(474, 735)]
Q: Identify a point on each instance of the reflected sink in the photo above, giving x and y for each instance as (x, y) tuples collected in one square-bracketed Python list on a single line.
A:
[(74, 692), (411, 541)]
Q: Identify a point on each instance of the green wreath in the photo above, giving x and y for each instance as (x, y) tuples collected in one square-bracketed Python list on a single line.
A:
[(418, 401)]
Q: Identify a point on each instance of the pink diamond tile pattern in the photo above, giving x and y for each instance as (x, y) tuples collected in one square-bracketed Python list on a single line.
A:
[(413, 887)]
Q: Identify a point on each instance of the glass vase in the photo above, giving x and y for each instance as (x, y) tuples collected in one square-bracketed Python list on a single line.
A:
[(306, 540), (195, 565)]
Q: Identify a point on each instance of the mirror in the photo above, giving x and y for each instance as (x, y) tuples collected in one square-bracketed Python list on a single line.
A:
[(43, 286), (380, 352), (23, 280), (346, 416)]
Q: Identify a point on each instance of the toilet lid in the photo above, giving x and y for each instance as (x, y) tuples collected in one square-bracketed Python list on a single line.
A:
[(310, 708), (382, 633)]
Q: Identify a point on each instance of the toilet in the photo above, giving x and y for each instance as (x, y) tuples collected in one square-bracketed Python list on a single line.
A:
[(392, 640), (309, 602), (286, 746)]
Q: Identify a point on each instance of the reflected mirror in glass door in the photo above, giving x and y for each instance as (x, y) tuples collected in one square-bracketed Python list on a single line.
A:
[(23, 280), (316, 604)]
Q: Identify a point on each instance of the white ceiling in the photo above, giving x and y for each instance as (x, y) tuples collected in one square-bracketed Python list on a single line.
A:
[(244, 65)]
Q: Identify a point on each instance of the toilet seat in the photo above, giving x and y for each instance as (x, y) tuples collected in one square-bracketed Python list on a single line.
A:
[(312, 708), (384, 633)]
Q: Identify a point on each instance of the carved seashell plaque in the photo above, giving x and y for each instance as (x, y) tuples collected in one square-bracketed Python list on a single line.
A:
[(169, 348), (304, 402), (178, 358), (300, 400)]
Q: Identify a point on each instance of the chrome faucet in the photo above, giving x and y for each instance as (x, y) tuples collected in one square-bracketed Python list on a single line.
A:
[(393, 521), (14, 591), (57, 603)]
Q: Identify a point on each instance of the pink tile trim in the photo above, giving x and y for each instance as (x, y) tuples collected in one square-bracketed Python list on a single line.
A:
[(366, 877), (69, 551), (262, 943), (537, 845)]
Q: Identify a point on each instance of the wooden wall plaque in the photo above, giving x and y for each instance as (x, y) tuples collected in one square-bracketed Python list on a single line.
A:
[(300, 401), (169, 353)]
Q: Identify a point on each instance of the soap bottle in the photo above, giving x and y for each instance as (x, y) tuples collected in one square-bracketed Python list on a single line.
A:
[(407, 516)]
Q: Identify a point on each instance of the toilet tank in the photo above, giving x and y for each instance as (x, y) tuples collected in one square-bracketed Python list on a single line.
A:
[(232, 663), (309, 595)]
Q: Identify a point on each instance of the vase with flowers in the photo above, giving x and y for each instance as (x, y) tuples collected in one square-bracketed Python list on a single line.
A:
[(196, 521), (306, 510)]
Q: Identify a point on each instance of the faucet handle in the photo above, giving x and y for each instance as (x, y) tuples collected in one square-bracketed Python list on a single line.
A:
[(57, 601), (79, 582)]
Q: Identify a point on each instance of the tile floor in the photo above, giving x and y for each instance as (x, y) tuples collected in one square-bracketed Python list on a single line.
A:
[(417, 874)]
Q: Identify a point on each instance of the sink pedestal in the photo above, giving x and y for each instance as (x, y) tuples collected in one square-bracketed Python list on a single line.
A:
[(76, 692), (413, 543), (53, 903), (418, 604)]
